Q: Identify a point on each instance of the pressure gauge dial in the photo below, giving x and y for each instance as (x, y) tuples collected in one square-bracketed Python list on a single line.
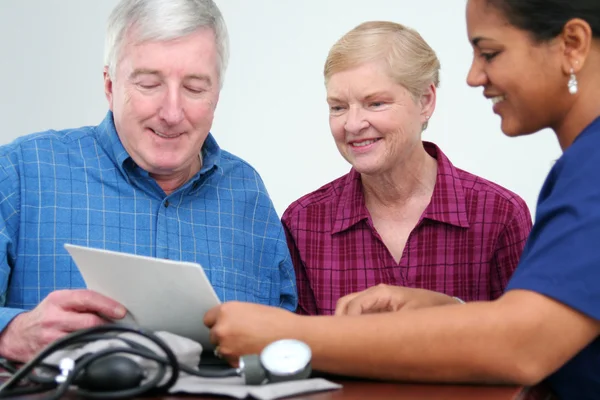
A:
[(286, 359)]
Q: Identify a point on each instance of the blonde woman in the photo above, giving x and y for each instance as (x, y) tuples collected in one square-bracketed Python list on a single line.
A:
[(404, 216)]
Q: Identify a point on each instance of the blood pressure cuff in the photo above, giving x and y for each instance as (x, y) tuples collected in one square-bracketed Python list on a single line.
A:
[(188, 353)]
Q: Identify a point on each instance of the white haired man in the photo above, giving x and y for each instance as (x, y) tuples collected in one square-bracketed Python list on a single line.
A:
[(150, 179)]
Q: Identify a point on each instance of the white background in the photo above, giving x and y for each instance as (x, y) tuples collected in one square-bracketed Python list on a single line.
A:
[(272, 110)]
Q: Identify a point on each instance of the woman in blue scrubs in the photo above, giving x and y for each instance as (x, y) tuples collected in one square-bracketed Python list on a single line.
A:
[(542, 70)]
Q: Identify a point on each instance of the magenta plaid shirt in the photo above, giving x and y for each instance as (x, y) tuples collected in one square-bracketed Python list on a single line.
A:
[(467, 243)]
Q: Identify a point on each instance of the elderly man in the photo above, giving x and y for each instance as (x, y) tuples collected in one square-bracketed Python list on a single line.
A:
[(149, 180)]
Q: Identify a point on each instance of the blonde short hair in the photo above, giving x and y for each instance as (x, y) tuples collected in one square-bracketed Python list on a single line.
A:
[(410, 60)]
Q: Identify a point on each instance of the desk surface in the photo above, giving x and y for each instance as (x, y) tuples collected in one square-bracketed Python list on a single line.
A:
[(359, 390), (354, 389)]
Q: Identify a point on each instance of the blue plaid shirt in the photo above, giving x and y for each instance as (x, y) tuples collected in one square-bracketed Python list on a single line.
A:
[(80, 186)]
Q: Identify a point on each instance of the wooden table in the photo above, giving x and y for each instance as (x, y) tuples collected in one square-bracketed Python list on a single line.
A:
[(355, 390), (363, 390), (359, 390)]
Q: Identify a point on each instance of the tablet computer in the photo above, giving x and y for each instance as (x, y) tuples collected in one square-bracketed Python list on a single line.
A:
[(159, 294)]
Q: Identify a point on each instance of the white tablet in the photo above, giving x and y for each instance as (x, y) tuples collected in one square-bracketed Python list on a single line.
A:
[(160, 295)]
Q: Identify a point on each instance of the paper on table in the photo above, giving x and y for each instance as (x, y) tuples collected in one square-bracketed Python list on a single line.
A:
[(160, 295)]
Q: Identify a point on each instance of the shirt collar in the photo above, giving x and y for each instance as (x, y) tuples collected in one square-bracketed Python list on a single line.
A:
[(110, 141), (447, 204), (351, 207), (211, 154)]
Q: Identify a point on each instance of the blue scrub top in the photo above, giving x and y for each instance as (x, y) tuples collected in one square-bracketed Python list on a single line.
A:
[(562, 256)]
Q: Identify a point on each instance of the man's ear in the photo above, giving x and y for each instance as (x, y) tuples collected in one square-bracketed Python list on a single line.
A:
[(577, 39), (108, 88)]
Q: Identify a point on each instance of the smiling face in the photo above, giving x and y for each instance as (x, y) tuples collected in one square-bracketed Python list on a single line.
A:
[(523, 79), (376, 123), (163, 98)]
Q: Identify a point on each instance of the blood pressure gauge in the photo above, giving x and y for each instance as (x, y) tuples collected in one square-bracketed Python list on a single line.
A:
[(283, 360)]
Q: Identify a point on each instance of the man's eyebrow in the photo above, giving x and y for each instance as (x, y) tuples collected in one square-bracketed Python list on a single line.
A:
[(333, 99), (148, 71), (201, 77), (143, 71)]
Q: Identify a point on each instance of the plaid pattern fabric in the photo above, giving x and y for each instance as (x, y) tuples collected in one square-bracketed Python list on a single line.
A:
[(80, 186), (466, 244)]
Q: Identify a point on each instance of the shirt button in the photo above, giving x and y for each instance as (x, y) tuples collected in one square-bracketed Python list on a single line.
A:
[(166, 203)]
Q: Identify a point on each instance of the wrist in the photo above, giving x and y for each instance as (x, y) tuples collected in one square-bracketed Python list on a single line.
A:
[(9, 343), (6, 345)]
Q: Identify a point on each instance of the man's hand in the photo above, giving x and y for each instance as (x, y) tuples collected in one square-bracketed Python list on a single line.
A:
[(60, 313), (386, 298), (245, 328)]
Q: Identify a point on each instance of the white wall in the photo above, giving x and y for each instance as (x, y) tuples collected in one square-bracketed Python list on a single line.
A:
[(272, 110)]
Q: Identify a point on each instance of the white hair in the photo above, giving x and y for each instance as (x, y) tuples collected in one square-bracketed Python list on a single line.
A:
[(164, 20)]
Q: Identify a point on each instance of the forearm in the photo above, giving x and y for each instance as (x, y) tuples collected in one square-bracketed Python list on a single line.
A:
[(475, 342), (437, 344)]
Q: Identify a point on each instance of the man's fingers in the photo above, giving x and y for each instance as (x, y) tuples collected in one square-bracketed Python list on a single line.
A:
[(73, 321), (88, 301)]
